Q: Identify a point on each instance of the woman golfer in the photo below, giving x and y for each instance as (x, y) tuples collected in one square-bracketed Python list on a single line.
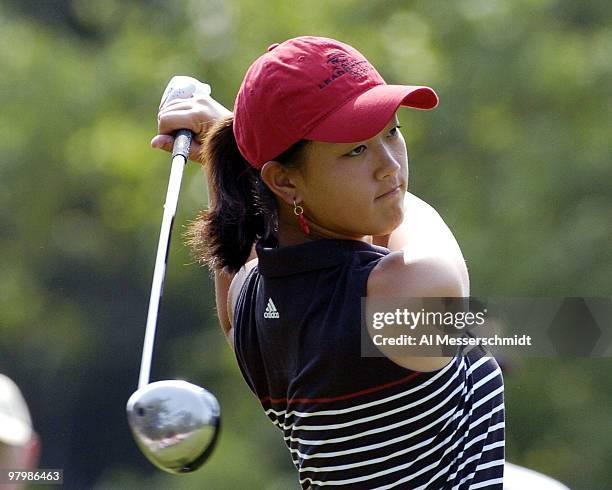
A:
[(309, 213)]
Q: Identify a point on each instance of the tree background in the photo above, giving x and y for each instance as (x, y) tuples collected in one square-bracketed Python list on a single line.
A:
[(516, 159)]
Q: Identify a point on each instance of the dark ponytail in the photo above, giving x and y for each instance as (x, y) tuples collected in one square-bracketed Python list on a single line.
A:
[(244, 208)]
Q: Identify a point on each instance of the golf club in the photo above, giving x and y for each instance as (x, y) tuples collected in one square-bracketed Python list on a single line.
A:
[(175, 423)]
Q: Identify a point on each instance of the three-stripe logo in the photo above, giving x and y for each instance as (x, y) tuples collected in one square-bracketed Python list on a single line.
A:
[(271, 311)]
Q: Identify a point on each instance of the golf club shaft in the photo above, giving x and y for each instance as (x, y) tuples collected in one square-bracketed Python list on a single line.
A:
[(180, 154)]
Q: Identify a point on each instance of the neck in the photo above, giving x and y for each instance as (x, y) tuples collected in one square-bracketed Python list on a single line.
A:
[(289, 233)]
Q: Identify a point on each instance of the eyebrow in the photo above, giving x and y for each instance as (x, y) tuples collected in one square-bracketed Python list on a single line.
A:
[(394, 121), (391, 124)]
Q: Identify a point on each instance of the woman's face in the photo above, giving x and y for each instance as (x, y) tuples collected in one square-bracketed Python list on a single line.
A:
[(355, 189)]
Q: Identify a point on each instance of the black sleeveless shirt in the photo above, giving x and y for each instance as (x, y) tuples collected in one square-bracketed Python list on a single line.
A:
[(353, 421)]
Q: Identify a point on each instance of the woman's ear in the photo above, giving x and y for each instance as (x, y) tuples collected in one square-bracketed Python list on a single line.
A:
[(280, 180)]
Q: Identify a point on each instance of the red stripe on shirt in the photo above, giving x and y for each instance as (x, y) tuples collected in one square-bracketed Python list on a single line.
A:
[(347, 396)]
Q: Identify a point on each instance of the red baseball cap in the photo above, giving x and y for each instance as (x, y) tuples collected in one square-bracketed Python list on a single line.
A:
[(319, 89)]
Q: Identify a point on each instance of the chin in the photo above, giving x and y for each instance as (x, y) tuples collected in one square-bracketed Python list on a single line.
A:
[(388, 227), (382, 223)]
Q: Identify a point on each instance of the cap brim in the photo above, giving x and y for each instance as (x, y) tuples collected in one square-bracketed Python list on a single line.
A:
[(367, 114)]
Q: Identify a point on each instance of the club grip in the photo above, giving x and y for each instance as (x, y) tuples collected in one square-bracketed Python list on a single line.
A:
[(182, 143)]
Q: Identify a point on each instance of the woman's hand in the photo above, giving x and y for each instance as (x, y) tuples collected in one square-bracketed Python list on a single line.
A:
[(197, 113)]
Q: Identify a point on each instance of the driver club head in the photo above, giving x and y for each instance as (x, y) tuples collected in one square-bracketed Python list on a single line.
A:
[(175, 424)]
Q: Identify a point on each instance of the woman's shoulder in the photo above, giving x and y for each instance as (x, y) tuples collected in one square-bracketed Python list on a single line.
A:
[(235, 287), (399, 274)]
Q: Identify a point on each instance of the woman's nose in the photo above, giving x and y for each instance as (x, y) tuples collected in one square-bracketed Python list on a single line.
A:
[(389, 163)]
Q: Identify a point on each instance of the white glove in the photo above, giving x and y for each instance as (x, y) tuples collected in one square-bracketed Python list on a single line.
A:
[(183, 87)]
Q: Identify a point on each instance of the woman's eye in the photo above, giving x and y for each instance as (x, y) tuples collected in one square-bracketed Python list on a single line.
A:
[(357, 151), (395, 131)]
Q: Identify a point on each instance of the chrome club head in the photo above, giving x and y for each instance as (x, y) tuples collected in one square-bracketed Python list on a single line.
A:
[(175, 424)]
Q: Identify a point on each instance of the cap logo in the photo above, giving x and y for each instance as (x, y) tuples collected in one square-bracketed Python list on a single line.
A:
[(342, 64)]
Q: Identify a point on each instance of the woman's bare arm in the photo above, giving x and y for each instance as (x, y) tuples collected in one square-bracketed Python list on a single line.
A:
[(198, 114), (423, 234), (425, 261), (226, 288)]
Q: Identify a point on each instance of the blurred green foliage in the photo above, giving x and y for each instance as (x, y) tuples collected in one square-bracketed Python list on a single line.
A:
[(516, 159)]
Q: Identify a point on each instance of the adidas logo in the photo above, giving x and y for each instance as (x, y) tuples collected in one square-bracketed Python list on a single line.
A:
[(271, 311)]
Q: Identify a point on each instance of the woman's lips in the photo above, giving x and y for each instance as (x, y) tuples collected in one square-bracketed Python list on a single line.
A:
[(392, 192)]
